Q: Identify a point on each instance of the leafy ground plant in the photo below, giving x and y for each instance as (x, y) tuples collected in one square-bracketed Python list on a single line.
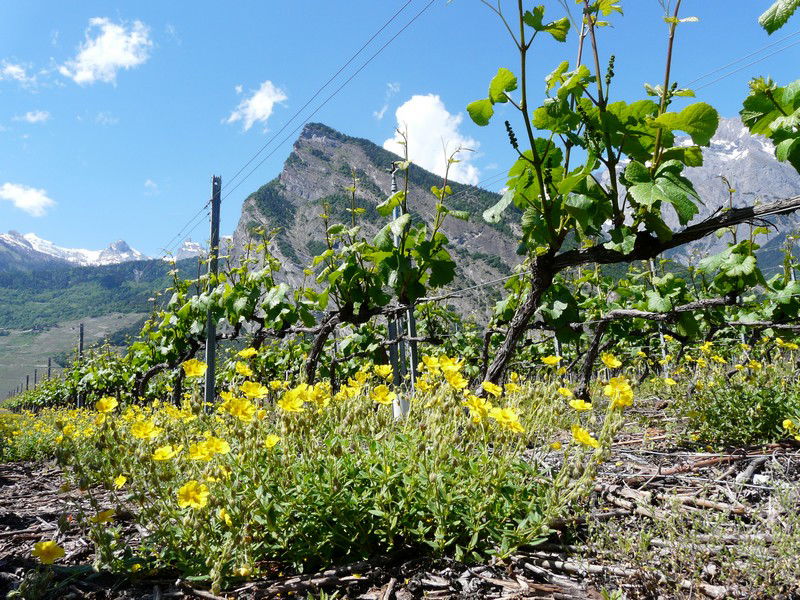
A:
[(299, 475)]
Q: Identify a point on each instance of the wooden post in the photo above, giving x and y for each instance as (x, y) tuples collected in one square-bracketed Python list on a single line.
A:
[(27, 382), (49, 367), (35, 377), (80, 343), (211, 328)]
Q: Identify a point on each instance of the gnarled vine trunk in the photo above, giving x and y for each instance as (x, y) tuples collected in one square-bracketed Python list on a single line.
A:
[(542, 273)]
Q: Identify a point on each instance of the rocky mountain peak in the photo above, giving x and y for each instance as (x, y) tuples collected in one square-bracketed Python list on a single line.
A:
[(318, 172)]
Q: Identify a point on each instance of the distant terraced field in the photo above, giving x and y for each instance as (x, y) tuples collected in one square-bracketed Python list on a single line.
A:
[(21, 351)]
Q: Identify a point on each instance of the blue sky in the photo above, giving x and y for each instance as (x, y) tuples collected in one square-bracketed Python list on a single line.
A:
[(114, 115)]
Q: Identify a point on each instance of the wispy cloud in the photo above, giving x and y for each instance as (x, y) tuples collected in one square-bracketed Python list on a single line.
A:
[(391, 89), (258, 107), (33, 201), (433, 134), (105, 118), (150, 187), (108, 48), (34, 116)]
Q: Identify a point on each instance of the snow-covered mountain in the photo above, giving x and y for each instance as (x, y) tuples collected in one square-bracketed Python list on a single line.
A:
[(189, 249), (29, 250), (748, 162)]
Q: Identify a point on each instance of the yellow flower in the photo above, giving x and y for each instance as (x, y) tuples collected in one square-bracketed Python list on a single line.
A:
[(241, 408), (247, 353), (555, 446), (668, 338), (582, 436), (552, 361), (705, 347), (200, 451), (244, 571), (319, 394), (788, 424), (580, 405), (251, 389), (119, 481), (669, 381), (194, 368), (217, 445), (755, 365), (277, 384), (423, 385), (383, 371), (566, 392), (478, 408), (382, 395), (271, 440), (225, 517), (561, 371), (145, 430), (431, 364), (718, 359), (293, 400), (455, 379), (611, 361), (104, 516), (507, 418), (744, 347), (512, 388), (106, 404), (243, 369), (193, 495), (619, 391), (166, 452), (47, 552), (494, 390)]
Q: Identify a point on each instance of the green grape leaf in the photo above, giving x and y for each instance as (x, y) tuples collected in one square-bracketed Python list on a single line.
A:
[(766, 103), (789, 151), (558, 29), (480, 111), (386, 207), (777, 15), (557, 76), (667, 186), (576, 82), (504, 81), (699, 120), (656, 302), (623, 239), (691, 156), (399, 224), (555, 115)]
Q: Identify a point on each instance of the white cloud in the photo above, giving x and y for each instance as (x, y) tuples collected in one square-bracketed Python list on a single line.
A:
[(432, 136), (15, 72), (378, 114), (106, 118), (112, 48), (34, 116), (391, 89), (259, 106), (150, 187), (33, 201)]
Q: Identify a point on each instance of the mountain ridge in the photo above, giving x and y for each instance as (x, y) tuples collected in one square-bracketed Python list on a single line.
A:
[(318, 172)]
